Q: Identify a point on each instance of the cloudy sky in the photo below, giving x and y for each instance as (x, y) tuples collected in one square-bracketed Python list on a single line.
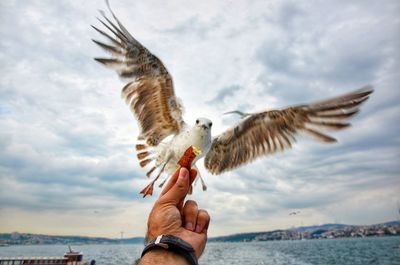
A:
[(67, 162)]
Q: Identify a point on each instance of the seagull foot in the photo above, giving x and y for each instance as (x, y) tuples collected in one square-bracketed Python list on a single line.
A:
[(148, 190)]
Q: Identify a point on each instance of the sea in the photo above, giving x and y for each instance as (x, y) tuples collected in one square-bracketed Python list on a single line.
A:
[(352, 251)]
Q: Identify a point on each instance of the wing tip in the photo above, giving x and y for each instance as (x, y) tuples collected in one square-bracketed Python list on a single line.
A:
[(367, 88), (109, 62), (319, 136), (97, 42), (101, 60), (364, 91), (331, 140)]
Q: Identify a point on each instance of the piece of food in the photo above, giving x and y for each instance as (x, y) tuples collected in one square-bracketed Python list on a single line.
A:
[(185, 161), (188, 157)]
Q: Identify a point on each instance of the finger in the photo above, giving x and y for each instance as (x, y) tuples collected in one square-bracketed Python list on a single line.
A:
[(180, 207), (193, 174), (202, 222), (170, 183), (179, 190), (190, 215)]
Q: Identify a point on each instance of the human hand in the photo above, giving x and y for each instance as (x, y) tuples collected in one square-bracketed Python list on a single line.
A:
[(171, 216)]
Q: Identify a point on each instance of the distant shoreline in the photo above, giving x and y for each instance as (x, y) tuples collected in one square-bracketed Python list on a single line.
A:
[(326, 231), (211, 240)]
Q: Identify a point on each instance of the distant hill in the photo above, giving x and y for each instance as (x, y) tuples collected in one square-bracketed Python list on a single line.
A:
[(392, 223), (34, 239), (243, 237), (321, 227), (319, 231)]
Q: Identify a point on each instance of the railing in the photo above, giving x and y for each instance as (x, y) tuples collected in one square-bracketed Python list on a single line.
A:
[(33, 261), (70, 258)]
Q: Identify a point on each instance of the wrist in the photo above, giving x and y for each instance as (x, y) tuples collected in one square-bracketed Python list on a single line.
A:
[(160, 256), (175, 245)]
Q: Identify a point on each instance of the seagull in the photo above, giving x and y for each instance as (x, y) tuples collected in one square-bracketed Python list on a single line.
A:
[(164, 135), (294, 213)]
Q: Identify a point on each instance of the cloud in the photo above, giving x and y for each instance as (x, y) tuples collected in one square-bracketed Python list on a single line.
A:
[(66, 138)]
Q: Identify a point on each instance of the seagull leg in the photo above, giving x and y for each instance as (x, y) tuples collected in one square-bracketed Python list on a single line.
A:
[(148, 190), (203, 184), (162, 169), (163, 182)]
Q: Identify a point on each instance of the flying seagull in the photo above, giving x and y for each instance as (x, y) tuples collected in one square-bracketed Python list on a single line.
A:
[(149, 92), (294, 213)]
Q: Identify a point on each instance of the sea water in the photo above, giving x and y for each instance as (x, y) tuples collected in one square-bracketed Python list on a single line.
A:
[(352, 251)]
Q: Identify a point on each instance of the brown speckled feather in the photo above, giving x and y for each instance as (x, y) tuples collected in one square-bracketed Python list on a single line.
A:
[(271, 131), (149, 91)]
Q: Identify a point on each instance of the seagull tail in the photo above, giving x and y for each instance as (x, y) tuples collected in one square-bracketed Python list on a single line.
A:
[(144, 153)]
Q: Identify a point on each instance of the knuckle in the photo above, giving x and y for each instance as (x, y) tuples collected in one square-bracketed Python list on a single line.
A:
[(180, 185)]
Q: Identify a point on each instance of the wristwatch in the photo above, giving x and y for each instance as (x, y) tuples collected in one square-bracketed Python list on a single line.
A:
[(174, 244)]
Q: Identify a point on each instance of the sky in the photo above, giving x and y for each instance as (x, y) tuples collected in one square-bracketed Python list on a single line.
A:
[(67, 158)]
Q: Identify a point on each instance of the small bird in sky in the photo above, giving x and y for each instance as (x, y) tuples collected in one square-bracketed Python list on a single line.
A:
[(149, 92), (294, 213)]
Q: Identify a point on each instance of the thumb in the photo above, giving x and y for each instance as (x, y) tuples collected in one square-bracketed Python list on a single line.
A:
[(179, 191)]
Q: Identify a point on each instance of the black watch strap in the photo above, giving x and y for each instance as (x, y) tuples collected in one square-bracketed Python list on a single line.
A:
[(174, 244)]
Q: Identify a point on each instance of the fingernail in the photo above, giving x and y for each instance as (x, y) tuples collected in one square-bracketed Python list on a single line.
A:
[(198, 228), (189, 226)]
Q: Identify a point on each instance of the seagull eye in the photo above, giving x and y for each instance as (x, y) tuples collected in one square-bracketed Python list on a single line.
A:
[(197, 121), (210, 124)]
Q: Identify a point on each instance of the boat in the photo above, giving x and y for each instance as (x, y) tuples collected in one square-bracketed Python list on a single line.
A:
[(69, 258)]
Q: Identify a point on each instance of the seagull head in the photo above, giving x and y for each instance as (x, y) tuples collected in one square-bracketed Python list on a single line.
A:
[(203, 123)]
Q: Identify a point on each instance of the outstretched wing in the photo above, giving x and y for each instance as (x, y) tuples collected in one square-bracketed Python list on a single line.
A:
[(270, 131), (149, 91)]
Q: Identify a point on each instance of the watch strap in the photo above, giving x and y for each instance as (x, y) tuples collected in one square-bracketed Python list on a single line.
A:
[(174, 244)]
